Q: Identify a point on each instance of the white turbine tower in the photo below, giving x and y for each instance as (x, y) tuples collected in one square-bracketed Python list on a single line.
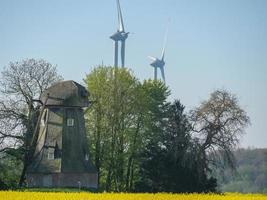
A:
[(119, 36), (159, 62)]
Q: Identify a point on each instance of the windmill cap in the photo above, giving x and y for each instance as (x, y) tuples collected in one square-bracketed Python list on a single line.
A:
[(67, 94)]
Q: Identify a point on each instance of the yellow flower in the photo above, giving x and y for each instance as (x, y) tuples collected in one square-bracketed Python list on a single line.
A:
[(12, 195)]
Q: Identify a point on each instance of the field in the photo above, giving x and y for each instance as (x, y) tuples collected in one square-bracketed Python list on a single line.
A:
[(9, 195)]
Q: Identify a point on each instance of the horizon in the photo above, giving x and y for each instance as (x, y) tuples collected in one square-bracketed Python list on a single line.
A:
[(211, 45)]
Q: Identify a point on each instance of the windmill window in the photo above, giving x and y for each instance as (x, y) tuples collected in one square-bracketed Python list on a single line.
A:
[(50, 155), (70, 122)]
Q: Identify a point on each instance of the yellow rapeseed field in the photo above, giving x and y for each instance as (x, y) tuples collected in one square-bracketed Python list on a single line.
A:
[(9, 195)]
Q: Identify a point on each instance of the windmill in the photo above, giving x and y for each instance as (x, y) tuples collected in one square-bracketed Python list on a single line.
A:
[(119, 36), (61, 157), (159, 62)]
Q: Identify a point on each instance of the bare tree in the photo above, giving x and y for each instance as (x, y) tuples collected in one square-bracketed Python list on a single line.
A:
[(22, 83), (218, 125)]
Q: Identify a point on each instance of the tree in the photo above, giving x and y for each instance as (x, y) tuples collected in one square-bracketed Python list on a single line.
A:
[(21, 84), (113, 124), (123, 117), (156, 105), (153, 119), (10, 170), (167, 164), (218, 124)]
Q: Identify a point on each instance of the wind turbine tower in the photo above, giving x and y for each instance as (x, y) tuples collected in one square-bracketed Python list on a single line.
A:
[(119, 36), (159, 62)]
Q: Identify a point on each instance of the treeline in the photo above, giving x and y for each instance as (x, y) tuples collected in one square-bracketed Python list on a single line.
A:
[(142, 142), (250, 175), (139, 140)]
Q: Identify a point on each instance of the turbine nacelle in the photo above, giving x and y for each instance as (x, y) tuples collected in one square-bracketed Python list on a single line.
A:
[(157, 62), (119, 36)]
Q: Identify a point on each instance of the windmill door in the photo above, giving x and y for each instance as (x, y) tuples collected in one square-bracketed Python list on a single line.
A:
[(47, 181)]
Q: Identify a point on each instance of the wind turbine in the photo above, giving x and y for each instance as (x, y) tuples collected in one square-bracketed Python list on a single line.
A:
[(159, 62), (119, 36)]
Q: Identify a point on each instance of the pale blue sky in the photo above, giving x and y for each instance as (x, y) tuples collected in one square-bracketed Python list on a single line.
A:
[(212, 44)]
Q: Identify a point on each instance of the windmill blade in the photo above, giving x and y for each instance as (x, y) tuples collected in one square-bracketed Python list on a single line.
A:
[(120, 19), (152, 58), (39, 120), (122, 53), (162, 73)]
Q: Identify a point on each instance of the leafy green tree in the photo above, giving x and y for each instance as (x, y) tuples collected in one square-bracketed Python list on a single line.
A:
[(153, 116), (113, 123), (10, 170), (124, 115), (156, 104)]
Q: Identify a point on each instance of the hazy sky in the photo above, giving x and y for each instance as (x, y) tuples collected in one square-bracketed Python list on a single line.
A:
[(212, 44)]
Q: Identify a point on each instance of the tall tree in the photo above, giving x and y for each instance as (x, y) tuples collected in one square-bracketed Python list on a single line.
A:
[(120, 122), (113, 124), (167, 162), (21, 83), (218, 124), (153, 116), (156, 105)]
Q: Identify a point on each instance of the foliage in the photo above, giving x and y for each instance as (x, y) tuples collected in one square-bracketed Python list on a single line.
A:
[(10, 170), (124, 114), (137, 138), (113, 122), (168, 162), (250, 174)]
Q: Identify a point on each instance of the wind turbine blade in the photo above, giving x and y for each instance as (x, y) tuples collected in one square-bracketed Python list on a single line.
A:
[(162, 73), (122, 53), (152, 58), (120, 19), (165, 42), (163, 54)]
